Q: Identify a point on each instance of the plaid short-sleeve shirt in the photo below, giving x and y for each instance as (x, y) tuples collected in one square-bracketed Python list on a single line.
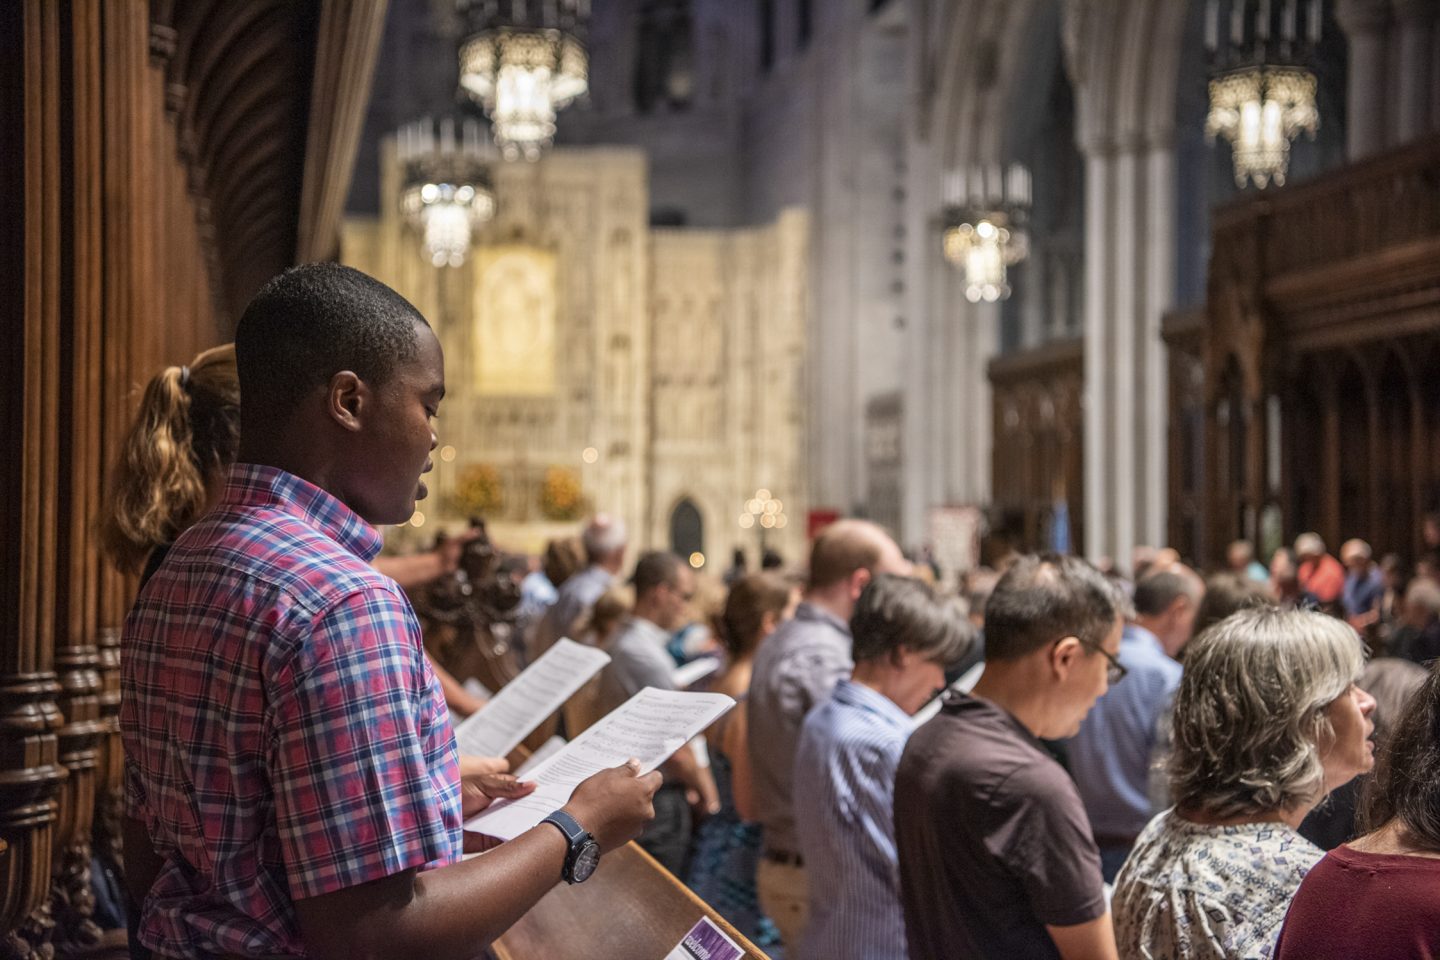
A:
[(284, 735)]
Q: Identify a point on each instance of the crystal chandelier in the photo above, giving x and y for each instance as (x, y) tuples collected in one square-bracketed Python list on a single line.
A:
[(445, 190), (524, 60), (1261, 95), (986, 209)]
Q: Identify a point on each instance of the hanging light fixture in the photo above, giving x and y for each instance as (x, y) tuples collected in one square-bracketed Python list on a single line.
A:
[(523, 61), (445, 190), (1262, 96), (986, 210)]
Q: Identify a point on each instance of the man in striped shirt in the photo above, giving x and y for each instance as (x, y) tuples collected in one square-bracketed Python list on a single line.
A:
[(904, 638)]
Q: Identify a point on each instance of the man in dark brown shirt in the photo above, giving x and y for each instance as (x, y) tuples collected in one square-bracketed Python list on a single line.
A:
[(996, 855)]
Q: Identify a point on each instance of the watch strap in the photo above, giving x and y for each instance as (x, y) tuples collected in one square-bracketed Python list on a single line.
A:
[(576, 837), (569, 826)]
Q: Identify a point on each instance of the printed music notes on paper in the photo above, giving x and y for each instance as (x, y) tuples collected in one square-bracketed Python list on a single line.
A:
[(650, 726), (524, 703)]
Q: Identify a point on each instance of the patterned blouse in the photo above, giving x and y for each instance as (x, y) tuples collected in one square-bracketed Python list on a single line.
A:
[(1195, 892)]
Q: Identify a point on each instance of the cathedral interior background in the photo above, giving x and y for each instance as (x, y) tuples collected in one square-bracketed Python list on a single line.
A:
[(997, 274)]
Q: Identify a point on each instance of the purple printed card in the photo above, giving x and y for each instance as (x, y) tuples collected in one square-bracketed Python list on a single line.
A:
[(706, 942)]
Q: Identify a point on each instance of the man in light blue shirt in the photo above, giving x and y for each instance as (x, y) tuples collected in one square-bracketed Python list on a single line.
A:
[(605, 540), (850, 745), (1110, 756)]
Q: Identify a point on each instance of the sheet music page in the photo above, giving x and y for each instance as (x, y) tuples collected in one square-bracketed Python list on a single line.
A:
[(650, 726), (693, 672), (524, 703), (546, 750)]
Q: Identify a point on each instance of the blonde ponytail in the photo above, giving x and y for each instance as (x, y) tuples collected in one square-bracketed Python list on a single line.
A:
[(185, 432)]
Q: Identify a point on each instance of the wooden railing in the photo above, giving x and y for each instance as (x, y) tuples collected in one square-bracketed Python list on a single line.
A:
[(631, 907), (1389, 201)]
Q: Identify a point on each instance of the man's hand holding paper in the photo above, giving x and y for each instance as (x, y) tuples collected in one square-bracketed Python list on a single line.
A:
[(649, 728)]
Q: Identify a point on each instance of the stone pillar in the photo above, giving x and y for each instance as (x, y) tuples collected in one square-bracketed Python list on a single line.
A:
[(1365, 23), (1129, 283), (1416, 23), (922, 361), (973, 427), (1159, 267), (1099, 365), (1124, 280)]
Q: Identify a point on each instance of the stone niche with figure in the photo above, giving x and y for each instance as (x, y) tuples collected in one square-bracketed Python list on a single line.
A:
[(596, 363)]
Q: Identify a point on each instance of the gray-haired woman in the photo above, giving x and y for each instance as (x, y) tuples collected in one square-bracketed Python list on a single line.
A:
[(1268, 719)]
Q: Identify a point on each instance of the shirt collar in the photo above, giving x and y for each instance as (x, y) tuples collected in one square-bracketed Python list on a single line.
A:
[(818, 614), (1138, 634), (254, 485), (853, 694), (957, 702), (649, 627)]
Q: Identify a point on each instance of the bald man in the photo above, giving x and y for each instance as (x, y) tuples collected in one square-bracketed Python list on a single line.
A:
[(797, 668)]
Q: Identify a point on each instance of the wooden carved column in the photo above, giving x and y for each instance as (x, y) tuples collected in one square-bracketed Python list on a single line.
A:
[(31, 51), (75, 600), (109, 792)]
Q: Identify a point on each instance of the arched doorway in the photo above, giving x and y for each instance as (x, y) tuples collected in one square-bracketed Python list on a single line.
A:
[(687, 529)]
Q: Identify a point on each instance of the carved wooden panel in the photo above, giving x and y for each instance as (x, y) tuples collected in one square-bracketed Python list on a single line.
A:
[(112, 272), (1321, 298), (1038, 444)]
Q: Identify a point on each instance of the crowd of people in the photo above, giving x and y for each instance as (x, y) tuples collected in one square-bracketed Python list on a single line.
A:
[(1043, 759)]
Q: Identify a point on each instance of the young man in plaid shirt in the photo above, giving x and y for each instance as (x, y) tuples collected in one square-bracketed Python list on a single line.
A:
[(291, 779)]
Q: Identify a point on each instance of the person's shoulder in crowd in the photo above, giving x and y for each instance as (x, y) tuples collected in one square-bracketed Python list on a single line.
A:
[(800, 643), (1196, 888), (1142, 654), (274, 546), (979, 752)]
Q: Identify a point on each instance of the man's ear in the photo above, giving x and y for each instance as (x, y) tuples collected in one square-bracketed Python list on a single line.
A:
[(1178, 606), (347, 400), (1064, 655), (858, 581)]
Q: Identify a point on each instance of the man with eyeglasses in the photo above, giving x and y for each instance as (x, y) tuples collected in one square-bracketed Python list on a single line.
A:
[(997, 858), (1111, 755), (664, 586)]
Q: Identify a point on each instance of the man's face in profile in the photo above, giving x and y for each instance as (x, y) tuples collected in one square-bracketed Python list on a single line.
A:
[(400, 434)]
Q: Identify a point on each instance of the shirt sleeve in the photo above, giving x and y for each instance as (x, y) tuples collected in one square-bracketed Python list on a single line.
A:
[(135, 807), (808, 677), (354, 798), (1051, 851), (871, 774), (654, 669)]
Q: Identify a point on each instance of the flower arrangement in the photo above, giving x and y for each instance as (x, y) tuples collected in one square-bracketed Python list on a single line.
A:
[(561, 497), (479, 491)]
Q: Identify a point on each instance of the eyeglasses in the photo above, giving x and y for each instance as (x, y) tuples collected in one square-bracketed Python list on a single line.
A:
[(1116, 671)]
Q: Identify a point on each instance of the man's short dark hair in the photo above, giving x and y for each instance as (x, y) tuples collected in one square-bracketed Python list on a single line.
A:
[(895, 612), (311, 322), (1226, 593), (1045, 598), (1157, 591), (654, 569)]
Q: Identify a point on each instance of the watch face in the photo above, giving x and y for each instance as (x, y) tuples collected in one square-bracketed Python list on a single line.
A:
[(585, 862)]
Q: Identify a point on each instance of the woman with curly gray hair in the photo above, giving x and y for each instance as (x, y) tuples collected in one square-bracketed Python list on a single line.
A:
[(1267, 720)]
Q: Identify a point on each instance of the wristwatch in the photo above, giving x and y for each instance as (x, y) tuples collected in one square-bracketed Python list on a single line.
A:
[(583, 855)]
